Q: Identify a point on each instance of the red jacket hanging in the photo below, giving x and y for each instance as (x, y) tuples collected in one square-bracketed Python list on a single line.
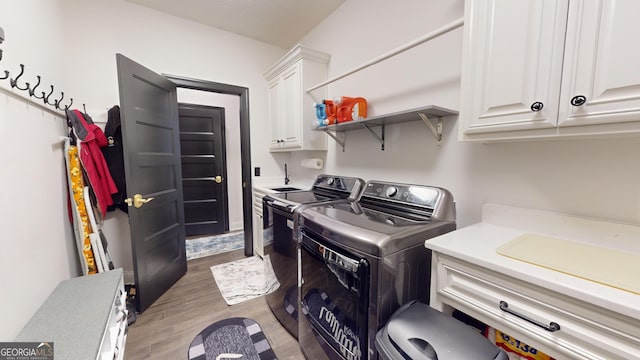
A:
[(92, 139)]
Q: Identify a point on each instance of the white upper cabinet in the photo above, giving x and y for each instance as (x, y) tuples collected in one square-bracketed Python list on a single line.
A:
[(601, 63), (291, 112), (549, 68), (513, 60)]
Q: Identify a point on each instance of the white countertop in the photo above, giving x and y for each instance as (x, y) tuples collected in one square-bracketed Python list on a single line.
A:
[(265, 185), (477, 244)]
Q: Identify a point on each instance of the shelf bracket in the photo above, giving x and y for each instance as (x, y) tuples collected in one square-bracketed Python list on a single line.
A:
[(334, 136), (436, 130), (373, 133)]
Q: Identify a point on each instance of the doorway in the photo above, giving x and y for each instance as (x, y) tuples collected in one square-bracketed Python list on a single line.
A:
[(204, 169), (245, 144)]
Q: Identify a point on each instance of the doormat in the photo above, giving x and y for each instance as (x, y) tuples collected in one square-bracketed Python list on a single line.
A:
[(212, 245), (245, 279), (233, 338)]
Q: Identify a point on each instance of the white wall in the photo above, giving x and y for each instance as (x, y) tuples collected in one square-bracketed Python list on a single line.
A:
[(38, 249), (595, 178), (72, 44)]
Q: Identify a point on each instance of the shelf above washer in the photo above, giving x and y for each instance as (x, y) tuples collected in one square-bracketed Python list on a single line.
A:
[(423, 113)]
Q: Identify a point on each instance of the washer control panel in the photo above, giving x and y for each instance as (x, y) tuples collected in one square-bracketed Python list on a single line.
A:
[(411, 194)]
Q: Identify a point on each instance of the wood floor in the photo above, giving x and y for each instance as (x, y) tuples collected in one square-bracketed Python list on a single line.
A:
[(165, 330)]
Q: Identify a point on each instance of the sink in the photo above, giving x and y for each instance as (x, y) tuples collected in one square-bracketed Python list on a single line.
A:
[(286, 188)]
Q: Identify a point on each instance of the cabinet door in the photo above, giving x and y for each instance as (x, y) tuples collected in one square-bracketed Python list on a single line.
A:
[(258, 240), (513, 60), (274, 111), (602, 63), (292, 92)]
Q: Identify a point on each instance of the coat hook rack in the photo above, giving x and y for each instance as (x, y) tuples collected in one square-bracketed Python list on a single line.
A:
[(31, 90)]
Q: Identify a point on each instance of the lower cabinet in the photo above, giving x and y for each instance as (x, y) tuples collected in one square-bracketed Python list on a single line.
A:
[(563, 327), (84, 317), (258, 239)]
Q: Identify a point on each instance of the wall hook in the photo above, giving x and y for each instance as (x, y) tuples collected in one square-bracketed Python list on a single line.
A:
[(33, 89), (68, 106), (46, 98), (6, 75), (14, 82), (57, 102)]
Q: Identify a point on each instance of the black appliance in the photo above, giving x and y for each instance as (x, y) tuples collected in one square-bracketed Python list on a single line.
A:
[(280, 244), (361, 260)]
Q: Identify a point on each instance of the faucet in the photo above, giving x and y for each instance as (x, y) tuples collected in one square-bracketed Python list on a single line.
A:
[(286, 176)]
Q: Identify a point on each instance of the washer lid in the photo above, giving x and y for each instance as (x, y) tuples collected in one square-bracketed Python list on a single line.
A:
[(325, 188), (371, 231), (299, 197)]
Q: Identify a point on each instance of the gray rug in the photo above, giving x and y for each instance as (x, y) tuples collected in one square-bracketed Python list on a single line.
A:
[(234, 338), (245, 279)]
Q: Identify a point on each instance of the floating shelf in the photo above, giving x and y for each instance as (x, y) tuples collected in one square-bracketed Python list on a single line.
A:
[(423, 113)]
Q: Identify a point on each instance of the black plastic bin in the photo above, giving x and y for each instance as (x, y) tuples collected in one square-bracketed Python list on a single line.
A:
[(417, 331)]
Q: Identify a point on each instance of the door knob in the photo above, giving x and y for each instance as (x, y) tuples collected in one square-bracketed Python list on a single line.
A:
[(137, 201), (218, 179)]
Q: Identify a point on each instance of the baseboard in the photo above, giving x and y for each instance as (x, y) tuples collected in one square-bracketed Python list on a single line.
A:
[(129, 277), (236, 226)]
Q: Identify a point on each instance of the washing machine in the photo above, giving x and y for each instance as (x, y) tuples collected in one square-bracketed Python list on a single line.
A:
[(280, 243), (361, 260)]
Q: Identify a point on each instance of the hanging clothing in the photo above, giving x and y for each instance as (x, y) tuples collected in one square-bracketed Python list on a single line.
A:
[(92, 139), (113, 154)]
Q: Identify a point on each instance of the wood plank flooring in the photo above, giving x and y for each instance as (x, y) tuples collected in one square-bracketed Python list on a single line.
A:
[(167, 328)]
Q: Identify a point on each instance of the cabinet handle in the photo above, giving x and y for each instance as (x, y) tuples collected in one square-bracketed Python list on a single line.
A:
[(578, 100), (537, 106), (552, 327)]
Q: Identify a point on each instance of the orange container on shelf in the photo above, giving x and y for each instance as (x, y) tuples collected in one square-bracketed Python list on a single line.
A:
[(350, 108), (331, 110)]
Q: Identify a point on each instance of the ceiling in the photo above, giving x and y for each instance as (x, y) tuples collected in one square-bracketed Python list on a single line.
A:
[(277, 22)]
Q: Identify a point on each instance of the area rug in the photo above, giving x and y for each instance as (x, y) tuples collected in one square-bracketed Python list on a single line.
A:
[(233, 338), (245, 279)]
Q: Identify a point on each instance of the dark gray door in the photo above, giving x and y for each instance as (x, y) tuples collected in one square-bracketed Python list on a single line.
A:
[(204, 169), (151, 141)]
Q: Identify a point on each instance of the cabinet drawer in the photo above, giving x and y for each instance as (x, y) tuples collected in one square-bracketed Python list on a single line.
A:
[(257, 203), (585, 330), (257, 206)]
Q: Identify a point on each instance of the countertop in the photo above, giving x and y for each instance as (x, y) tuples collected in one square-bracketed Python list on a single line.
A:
[(265, 185), (500, 224)]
